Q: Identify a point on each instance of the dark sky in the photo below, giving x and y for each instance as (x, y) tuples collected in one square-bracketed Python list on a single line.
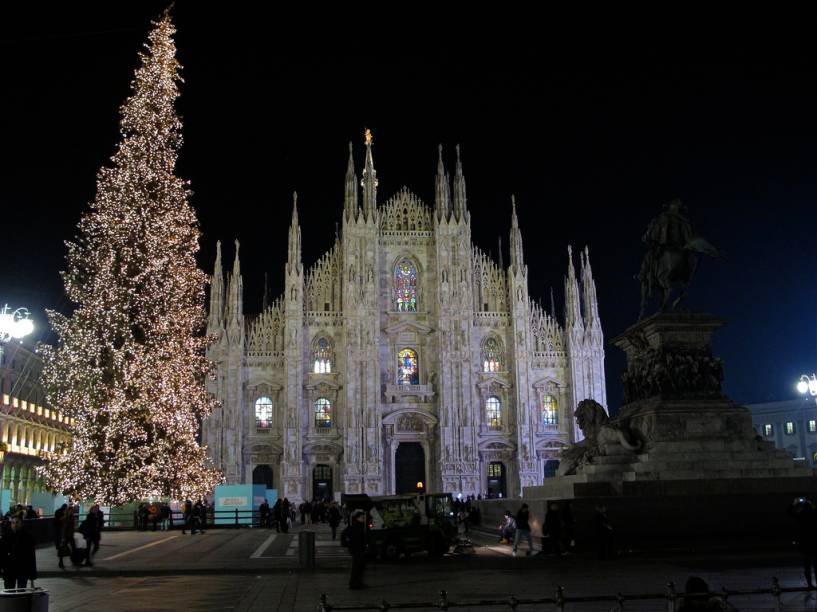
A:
[(592, 129)]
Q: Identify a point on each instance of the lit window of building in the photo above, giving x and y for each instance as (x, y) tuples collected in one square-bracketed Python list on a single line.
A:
[(323, 413), (789, 428), (812, 426), (493, 412), (263, 414), (768, 430)]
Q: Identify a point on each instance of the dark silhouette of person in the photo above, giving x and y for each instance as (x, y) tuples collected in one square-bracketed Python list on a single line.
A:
[(357, 547), (805, 518)]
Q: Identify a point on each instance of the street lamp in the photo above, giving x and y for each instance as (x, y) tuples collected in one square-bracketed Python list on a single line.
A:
[(808, 385), (15, 324)]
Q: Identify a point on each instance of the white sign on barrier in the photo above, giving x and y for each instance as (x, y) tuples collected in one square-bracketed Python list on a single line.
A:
[(232, 502)]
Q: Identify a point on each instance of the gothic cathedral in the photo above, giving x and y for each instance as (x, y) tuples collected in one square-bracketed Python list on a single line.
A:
[(405, 358)]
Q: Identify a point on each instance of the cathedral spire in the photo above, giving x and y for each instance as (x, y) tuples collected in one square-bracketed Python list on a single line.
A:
[(591, 304), (235, 294), (350, 202), (369, 181), (442, 195), (499, 246), (215, 320), (573, 313), (517, 258), (460, 201), (552, 305), (294, 247)]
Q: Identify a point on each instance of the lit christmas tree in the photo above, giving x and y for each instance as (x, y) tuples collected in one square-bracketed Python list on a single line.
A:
[(130, 366)]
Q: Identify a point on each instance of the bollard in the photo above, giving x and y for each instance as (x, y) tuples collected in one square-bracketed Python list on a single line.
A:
[(324, 605), (443, 603), (236, 517), (306, 549)]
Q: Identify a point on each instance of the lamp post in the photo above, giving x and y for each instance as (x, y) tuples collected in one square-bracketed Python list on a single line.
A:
[(808, 385), (14, 325)]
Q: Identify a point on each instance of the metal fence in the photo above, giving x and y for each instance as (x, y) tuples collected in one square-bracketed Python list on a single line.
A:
[(215, 519), (670, 599)]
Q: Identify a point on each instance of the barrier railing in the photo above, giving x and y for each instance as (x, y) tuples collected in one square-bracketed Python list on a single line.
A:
[(215, 519), (672, 598)]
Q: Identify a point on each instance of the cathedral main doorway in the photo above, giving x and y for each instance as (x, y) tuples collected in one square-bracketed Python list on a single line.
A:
[(409, 467), (262, 474), (322, 482)]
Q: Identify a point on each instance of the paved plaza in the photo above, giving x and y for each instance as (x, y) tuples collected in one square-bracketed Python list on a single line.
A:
[(253, 569)]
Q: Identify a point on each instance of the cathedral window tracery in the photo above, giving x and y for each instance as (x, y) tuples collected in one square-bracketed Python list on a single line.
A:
[(405, 286), (407, 371), (492, 358), (549, 414), (263, 414), (493, 412), (322, 357), (323, 413)]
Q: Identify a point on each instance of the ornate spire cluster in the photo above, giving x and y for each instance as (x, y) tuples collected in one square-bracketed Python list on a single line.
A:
[(369, 182), (577, 318), (517, 257)]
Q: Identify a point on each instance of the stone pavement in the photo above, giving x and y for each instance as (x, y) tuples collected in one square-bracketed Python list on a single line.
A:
[(247, 570)]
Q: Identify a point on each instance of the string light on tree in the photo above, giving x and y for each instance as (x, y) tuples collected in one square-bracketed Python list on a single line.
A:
[(130, 365)]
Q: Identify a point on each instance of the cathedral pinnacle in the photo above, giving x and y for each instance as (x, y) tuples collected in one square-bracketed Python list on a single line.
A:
[(517, 258), (369, 180), (442, 195), (460, 201), (215, 319), (573, 313), (294, 255), (350, 195)]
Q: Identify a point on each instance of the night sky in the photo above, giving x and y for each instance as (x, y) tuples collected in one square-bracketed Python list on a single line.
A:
[(592, 132)]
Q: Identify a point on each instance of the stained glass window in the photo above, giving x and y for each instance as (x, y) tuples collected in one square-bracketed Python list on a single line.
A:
[(495, 469), (323, 413), (263, 414), (407, 373), (549, 413), (491, 355), (322, 355), (405, 287), (493, 410)]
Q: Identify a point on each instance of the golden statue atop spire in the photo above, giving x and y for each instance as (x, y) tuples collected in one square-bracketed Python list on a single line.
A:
[(367, 134)]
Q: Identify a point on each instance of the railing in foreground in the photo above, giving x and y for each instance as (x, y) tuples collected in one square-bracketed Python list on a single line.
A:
[(670, 597)]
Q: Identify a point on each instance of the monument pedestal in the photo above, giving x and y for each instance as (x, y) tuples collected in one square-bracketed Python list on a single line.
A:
[(693, 446)]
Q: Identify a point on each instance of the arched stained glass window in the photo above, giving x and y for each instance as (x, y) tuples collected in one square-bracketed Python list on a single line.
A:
[(263, 414), (323, 413), (549, 414), (493, 412), (407, 372), (405, 286), (491, 355), (322, 357)]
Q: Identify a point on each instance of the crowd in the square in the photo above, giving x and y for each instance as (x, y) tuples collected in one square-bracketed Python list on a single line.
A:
[(283, 514)]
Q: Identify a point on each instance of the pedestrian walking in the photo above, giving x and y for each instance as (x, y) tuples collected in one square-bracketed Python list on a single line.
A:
[(286, 519), (18, 558), (187, 517), (356, 539), (276, 515), (334, 518), (89, 528), (523, 529), (67, 542), (164, 512)]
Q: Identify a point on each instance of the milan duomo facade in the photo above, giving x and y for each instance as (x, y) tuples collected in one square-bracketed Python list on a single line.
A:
[(404, 355)]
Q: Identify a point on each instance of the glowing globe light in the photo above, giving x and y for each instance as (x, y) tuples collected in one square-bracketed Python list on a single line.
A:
[(807, 384), (15, 325)]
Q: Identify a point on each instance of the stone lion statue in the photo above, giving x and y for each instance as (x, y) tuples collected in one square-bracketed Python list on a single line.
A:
[(601, 437)]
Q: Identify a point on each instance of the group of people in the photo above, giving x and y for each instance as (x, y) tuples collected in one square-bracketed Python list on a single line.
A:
[(558, 530), (466, 512), (194, 517), (64, 534), (283, 514), (158, 515)]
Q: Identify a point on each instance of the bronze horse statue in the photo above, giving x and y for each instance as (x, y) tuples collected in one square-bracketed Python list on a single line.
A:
[(669, 262)]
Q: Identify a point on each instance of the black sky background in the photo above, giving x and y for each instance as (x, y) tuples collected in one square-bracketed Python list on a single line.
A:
[(592, 129)]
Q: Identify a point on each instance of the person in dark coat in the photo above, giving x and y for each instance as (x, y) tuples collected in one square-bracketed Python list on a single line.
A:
[(56, 531), (805, 517), (569, 526), (334, 519), (357, 547), (263, 511), (285, 518), (67, 543), (276, 515), (200, 510), (18, 558), (523, 529), (89, 528), (553, 528)]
